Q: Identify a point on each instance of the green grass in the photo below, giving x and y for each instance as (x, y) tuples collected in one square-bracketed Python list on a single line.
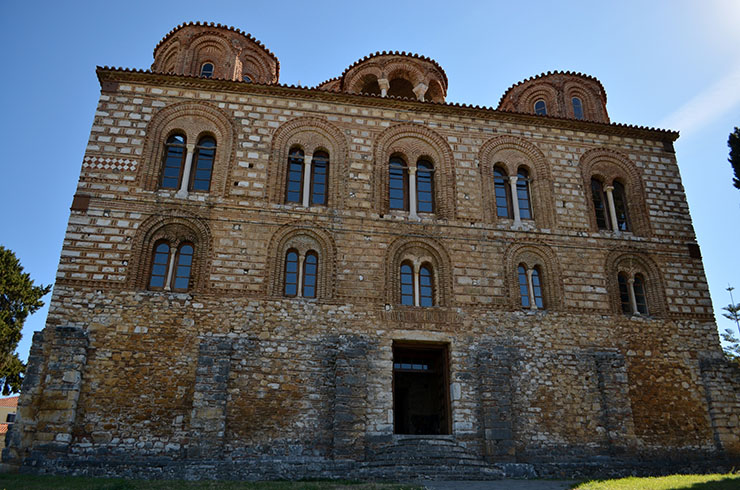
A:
[(729, 481), (33, 482)]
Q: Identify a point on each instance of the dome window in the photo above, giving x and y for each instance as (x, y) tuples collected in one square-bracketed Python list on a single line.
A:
[(206, 70), (577, 108), (540, 108)]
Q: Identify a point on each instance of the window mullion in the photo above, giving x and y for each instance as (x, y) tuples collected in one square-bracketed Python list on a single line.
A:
[(631, 291), (301, 259), (412, 195), (530, 288), (417, 287), (609, 189), (183, 191), (307, 179), (515, 199), (170, 269)]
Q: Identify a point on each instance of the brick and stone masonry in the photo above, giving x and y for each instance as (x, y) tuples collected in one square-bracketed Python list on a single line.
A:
[(220, 374)]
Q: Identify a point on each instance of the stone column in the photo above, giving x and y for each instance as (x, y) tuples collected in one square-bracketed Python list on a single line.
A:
[(412, 193), (307, 159), (183, 191), (631, 291), (530, 288), (417, 287), (420, 90), (515, 199), (612, 210), (170, 270), (301, 259), (384, 85)]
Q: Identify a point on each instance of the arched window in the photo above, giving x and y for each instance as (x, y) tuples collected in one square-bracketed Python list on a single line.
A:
[(206, 70), (407, 284), (247, 78), (522, 194), (577, 107), (540, 108), (319, 177), (530, 287), (620, 206), (171, 273), (173, 162), (310, 270), (417, 286), (398, 184), (640, 300), (523, 286), (502, 192), (205, 153), (424, 186), (294, 189), (160, 263), (426, 285), (291, 273), (632, 293), (183, 267), (599, 199)]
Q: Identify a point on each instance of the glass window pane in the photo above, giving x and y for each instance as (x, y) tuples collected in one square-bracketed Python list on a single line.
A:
[(537, 287), (540, 107), (407, 285), (182, 270), (291, 273), (599, 200), (206, 70), (620, 206), (319, 176), (577, 108), (160, 262), (424, 187), (398, 180), (310, 267), (522, 194), (501, 190), (426, 286), (640, 299), (295, 177), (523, 286), (624, 296)]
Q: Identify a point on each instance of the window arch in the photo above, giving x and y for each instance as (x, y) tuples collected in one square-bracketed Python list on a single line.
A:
[(398, 184), (502, 193), (632, 296), (416, 284), (540, 107), (522, 194), (206, 69), (635, 285), (530, 286), (301, 273), (577, 107), (609, 205), (171, 271), (294, 187), (205, 153), (173, 161), (424, 186)]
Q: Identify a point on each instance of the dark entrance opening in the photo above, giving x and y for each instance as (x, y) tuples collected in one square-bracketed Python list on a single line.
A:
[(421, 403)]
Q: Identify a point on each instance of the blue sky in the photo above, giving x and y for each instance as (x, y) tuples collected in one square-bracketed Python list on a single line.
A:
[(670, 64)]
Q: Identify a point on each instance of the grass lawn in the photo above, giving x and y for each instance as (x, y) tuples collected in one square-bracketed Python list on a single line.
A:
[(730, 481), (31, 482)]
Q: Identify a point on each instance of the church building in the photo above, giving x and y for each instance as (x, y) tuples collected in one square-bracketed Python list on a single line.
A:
[(364, 280)]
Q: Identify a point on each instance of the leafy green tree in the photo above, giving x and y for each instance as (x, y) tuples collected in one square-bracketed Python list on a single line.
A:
[(732, 347), (734, 144), (19, 297)]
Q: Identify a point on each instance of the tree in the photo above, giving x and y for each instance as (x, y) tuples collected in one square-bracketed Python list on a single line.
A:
[(732, 349), (19, 297), (734, 144)]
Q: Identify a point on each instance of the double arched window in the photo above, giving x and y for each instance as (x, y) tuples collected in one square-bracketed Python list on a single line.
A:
[(530, 286), (610, 205), (505, 187), (632, 293), (411, 188), (186, 167), (171, 268), (301, 272), (308, 178), (417, 284)]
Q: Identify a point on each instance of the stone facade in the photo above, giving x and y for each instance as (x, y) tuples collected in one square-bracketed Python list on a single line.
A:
[(231, 373)]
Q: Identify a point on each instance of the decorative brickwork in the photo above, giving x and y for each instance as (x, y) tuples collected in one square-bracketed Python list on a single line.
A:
[(231, 374)]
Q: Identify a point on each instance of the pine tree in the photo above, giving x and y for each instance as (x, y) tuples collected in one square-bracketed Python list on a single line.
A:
[(734, 144), (19, 297), (732, 347)]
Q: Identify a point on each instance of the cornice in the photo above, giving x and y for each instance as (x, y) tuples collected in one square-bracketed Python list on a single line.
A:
[(108, 75)]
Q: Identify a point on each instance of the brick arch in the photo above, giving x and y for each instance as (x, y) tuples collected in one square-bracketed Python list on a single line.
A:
[(301, 237), (633, 261), (257, 67), (357, 79), (176, 226), (420, 249), (610, 165), (593, 105), (415, 141), (310, 134), (211, 46), (534, 254), (404, 69), (193, 119), (170, 60), (512, 152), (541, 90)]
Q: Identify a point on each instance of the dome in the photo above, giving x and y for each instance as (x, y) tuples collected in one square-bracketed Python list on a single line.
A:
[(215, 51)]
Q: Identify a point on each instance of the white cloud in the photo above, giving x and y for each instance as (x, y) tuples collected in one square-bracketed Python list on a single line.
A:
[(716, 100)]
